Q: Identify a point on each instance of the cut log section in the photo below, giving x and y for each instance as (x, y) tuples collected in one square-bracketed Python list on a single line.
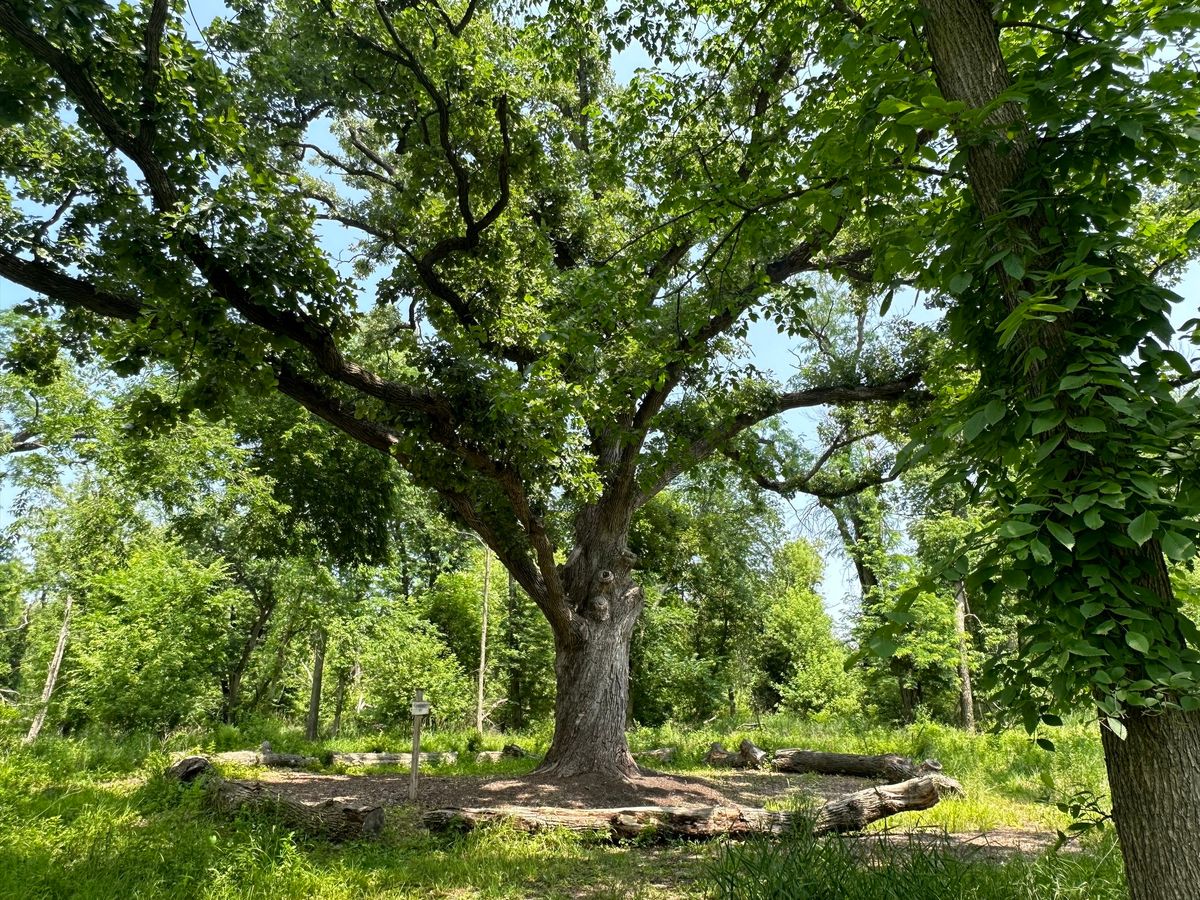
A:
[(850, 813), (887, 767), (404, 760), (747, 756), (332, 819)]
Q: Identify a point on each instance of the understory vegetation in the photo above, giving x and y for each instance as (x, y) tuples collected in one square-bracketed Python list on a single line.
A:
[(91, 816)]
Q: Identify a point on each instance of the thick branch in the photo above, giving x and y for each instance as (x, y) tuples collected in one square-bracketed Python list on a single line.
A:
[(897, 390)]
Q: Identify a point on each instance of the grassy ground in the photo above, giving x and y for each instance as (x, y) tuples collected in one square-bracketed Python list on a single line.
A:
[(90, 817)]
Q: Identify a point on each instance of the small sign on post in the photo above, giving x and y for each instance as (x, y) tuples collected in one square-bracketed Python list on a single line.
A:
[(420, 709)]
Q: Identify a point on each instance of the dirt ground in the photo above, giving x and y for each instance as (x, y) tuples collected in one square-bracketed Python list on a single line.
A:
[(650, 789)]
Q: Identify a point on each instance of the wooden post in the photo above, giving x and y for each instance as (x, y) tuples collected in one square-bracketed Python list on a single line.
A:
[(420, 709)]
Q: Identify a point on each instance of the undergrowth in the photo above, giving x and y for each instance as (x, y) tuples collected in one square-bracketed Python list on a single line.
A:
[(91, 817)]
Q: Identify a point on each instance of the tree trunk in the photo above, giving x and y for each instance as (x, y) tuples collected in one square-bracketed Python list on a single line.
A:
[(339, 701), (966, 697), (592, 679), (313, 725), (52, 674), (1154, 776), (1154, 773), (514, 714), (483, 639)]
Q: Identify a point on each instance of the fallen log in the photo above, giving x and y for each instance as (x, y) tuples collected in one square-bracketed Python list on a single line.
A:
[(510, 751), (747, 756), (264, 756), (850, 813), (335, 820), (662, 754), (271, 759), (403, 760), (887, 767)]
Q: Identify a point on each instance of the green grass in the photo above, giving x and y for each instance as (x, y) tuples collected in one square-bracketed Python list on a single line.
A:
[(92, 817)]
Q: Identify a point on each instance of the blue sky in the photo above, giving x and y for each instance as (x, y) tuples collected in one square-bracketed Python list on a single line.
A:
[(769, 350)]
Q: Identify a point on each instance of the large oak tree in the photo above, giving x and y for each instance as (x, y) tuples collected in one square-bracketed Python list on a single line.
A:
[(567, 266)]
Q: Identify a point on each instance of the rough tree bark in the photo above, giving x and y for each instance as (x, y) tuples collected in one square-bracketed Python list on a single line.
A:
[(1154, 774), (747, 756), (60, 649), (591, 663)]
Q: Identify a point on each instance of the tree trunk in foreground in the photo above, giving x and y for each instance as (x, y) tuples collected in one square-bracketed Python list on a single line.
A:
[(850, 813), (60, 649), (592, 681), (1154, 776)]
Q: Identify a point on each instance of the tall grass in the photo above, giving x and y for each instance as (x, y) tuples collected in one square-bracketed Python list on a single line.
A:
[(804, 867)]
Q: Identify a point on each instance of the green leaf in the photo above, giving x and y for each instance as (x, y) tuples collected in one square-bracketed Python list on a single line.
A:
[(1087, 424), (1116, 726), (975, 426), (1142, 528), (1046, 744), (1015, 528), (1176, 546), (994, 411), (1049, 420), (1064, 535), (1014, 266), (1193, 234), (1137, 641)]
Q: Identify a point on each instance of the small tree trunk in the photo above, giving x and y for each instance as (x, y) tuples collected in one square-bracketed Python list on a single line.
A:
[(483, 638), (52, 674), (589, 709), (339, 701), (966, 697), (313, 725)]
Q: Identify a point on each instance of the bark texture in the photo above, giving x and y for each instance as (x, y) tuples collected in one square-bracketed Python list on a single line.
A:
[(850, 813), (1154, 776), (591, 665), (332, 819), (886, 767)]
